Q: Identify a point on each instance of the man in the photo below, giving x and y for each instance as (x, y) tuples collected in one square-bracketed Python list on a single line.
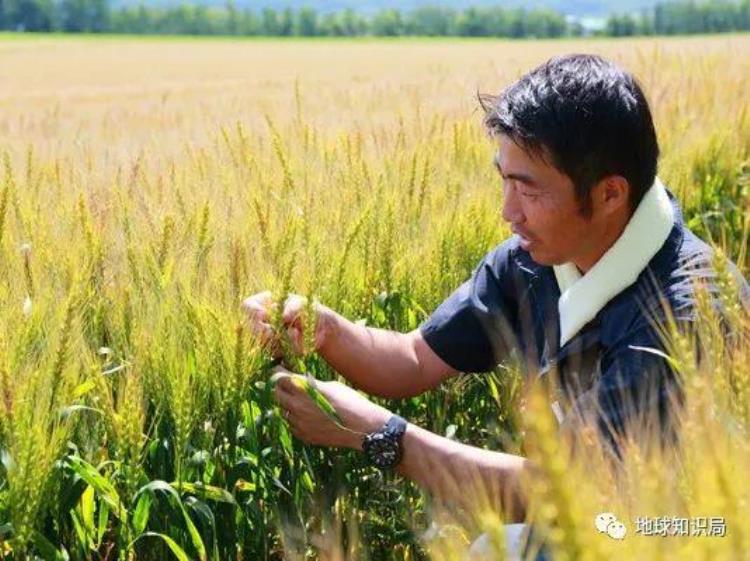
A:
[(599, 251)]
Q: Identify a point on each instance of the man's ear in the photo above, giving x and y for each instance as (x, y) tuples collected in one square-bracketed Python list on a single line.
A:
[(612, 195)]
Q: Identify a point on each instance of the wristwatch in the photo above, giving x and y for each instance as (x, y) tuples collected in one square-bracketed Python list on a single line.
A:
[(383, 448)]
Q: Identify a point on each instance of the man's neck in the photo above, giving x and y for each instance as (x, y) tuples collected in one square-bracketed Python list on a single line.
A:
[(603, 240)]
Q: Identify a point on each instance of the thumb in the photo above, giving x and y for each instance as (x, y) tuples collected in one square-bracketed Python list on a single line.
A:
[(283, 378)]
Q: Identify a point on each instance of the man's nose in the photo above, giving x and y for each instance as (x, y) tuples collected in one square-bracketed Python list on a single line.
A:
[(512, 211)]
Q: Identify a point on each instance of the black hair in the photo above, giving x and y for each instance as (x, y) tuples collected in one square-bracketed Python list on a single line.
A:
[(586, 116)]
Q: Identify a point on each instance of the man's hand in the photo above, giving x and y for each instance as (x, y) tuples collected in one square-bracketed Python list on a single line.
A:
[(434, 462), (311, 425), (259, 309)]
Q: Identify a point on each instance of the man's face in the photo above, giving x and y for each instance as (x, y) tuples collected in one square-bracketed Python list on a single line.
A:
[(540, 205)]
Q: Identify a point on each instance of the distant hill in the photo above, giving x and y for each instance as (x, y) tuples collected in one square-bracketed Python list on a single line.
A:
[(579, 8)]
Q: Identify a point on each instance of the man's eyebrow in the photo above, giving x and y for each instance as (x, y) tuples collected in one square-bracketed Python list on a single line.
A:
[(523, 178)]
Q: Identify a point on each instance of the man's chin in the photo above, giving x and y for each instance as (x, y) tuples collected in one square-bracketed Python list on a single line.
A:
[(545, 259)]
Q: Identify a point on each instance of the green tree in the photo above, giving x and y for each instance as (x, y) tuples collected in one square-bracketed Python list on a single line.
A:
[(430, 21), (307, 23), (546, 23), (387, 23), (202, 22), (232, 19), (30, 15), (329, 25), (269, 22), (84, 15), (471, 23), (518, 23), (352, 23), (496, 22), (286, 23), (671, 17), (621, 26), (144, 22), (249, 23)]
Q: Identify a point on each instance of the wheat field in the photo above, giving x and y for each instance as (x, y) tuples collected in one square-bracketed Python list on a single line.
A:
[(149, 185)]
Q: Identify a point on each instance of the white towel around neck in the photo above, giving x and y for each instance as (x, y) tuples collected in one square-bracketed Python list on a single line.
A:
[(583, 296)]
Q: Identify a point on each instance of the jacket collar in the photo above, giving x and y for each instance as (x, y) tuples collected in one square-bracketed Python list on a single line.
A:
[(583, 296)]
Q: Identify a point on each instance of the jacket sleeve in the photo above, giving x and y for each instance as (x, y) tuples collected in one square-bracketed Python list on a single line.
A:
[(474, 328)]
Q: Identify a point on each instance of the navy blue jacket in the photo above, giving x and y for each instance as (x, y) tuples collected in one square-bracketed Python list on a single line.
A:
[(510, 304)]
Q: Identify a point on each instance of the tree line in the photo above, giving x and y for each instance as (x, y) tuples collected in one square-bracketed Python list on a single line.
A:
[(98, 16), (681, 18)]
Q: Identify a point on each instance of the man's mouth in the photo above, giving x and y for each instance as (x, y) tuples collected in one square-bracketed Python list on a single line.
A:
[(525, 238)]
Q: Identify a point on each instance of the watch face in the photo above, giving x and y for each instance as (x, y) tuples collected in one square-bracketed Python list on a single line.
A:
[(382, 450)]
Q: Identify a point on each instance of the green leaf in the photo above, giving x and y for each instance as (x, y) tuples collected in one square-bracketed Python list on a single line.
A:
[(142, 512), (102, 525), (307, 481), (285, 438), (176, 501), (80, 532), (320, 400), (205, 491), (66, 412), (87, 509), (176, 549), (85, 517), (281, 486), (48, 551), (204, 513), (309, 385), (115, 369), (195, 535), (84, 388), (101, 485), (242, 485), (157, 485)]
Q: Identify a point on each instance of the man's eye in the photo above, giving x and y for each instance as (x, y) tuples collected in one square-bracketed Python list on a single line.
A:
[(509, 184), (529, 195)]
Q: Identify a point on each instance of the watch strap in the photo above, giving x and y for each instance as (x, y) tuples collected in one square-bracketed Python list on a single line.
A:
[(395, 427)]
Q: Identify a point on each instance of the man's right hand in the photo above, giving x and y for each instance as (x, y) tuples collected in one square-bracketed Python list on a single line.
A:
[(259, 309)]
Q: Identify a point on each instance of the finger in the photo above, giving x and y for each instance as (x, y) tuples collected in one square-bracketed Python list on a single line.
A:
[(256, 314), (283, 380), (264, 336), (257, 305), (262, 330), (282, 390), (293, 308), (264, 298), (297, 339), (284, 399), (292, 418), (258, 301)]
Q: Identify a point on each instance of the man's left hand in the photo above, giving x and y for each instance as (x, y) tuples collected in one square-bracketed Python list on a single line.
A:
[(359, 415)]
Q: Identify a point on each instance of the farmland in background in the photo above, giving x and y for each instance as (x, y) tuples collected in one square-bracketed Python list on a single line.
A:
[(148, 185)]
